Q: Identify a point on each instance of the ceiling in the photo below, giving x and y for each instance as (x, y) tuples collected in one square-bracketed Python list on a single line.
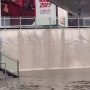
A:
[(77, 7)]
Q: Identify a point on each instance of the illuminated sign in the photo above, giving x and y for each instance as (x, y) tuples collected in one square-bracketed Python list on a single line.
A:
[(62, 17), (44, 11)]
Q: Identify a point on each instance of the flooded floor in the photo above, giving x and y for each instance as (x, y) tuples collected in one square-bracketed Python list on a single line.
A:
[(76, 79)]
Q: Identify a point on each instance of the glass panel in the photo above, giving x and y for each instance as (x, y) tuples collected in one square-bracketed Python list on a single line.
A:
[(81, 22), (28, 22), (1, 22), (86, 22), (12, 22), (43, 23), (3, 66), (57, 23), (73, 22)]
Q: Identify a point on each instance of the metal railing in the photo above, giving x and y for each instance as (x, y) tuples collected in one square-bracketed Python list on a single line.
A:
[(4, 67), (9, 64), (79, 22), (43, 23)]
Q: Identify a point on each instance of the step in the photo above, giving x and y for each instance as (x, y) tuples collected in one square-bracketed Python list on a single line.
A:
[(9, 73)]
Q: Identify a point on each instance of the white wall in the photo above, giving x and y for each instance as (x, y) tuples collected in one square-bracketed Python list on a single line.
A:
[(47, 49)]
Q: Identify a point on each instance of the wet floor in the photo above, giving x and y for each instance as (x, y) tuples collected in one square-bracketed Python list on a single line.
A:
[(76, 79)]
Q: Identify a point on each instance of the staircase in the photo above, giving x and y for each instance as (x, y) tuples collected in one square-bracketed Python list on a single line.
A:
[(9, 66)]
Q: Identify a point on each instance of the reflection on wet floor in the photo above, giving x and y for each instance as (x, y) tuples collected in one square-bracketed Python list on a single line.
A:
[(49, 80), (78, 85)]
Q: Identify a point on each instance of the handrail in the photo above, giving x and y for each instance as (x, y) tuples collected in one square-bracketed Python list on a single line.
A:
[(15, 61), (4, 68), (2, 63), (8, 57), (34, 24)]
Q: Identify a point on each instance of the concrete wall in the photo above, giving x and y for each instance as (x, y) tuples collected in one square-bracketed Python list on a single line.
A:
[(48, 49)]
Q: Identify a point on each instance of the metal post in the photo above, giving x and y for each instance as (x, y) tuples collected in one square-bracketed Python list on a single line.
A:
[(78, 23), (0, 59), (57, 21), (35, 23), (20, 23), (50, 22), (4, 23), (64, 23), (5, 72), (18, 67)]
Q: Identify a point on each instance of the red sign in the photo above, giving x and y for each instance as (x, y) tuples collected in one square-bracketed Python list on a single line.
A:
[(45, 3)]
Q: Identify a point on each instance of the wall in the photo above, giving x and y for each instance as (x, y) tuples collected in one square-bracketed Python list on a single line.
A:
[(48, 49)]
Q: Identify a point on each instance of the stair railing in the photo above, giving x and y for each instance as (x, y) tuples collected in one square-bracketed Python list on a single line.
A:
[(12, 65), (4, 68)]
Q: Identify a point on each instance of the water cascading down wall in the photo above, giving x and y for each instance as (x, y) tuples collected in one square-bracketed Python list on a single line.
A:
[(48, 49)]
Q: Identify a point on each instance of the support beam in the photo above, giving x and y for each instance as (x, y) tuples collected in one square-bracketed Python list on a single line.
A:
[(74, 6)]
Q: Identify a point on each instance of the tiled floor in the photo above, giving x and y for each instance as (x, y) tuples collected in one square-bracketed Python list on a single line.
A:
[(78, 79)]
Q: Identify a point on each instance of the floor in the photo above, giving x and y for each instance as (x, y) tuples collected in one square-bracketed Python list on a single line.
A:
[(74, 79)]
